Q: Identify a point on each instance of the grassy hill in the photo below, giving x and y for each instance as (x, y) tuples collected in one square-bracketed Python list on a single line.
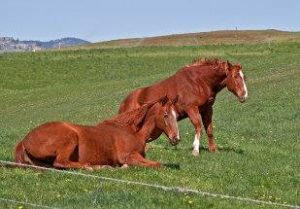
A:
[(205, 38), (259, 140)]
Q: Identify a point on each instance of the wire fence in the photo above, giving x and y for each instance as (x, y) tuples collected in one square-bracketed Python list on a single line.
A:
[(26, 203), (154, 186)]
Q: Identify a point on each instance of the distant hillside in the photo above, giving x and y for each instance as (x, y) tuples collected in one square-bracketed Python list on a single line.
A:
[(204, 38), (11, 44)]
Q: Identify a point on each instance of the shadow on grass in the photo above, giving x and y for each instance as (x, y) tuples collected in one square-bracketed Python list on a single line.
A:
[(205, 149), (225, 149), (174, 166)]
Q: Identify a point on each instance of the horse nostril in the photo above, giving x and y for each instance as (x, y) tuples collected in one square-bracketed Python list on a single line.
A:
[(175, 140)]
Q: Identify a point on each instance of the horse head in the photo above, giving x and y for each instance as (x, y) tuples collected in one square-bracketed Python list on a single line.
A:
[(152, 118), (166, 119), (235, 81)]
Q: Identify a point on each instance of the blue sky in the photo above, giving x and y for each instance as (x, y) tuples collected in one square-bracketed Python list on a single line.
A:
[(97, 20)]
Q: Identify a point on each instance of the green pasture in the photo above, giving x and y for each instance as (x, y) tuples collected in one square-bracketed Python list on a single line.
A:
[(259, 149)]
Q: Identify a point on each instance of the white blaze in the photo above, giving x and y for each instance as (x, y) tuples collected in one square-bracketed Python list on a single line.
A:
[(176, 124), (245, 87), (174, 113)]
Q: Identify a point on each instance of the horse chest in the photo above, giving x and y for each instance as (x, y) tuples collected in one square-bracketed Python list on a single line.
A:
[(201, 103), (208, 103)]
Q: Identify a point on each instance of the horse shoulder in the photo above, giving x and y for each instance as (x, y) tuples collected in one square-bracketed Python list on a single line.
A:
[(193, 92), (122, 136), (119, 143)]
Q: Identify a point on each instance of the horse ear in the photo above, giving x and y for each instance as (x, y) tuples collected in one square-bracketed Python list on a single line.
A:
[(239, 66), (227, 66)]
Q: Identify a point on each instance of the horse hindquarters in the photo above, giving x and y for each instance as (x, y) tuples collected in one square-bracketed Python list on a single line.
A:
[(22, 157), (131, 101)]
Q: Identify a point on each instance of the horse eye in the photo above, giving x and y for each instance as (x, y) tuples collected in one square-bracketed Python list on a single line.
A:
[(166, 115)]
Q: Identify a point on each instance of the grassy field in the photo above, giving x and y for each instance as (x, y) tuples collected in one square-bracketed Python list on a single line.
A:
[(259, 140)]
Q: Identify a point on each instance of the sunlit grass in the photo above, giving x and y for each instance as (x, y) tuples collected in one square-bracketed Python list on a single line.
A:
[(259, 140)]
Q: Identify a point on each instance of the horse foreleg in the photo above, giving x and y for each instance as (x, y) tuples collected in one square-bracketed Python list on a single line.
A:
[(193, 114), (207, 122), (139, 160)]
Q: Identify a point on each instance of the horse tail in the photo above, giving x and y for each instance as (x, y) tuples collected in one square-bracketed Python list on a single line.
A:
[(21, 158), (21, 155), (131, 102)]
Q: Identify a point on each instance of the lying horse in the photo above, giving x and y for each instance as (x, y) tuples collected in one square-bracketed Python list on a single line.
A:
[(116, 142), (196, 86)]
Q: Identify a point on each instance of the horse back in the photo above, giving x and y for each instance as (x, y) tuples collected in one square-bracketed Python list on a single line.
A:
[(147, 94), (182, 85)]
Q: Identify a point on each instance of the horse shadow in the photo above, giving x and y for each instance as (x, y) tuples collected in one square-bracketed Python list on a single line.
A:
[(226, 149), (205, 149), (173, 166)]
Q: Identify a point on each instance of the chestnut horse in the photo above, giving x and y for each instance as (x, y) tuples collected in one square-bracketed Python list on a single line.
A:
[(116, 142), (196, 86)]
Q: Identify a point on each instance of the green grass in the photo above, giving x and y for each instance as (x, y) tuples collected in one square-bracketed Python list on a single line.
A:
[(259, 140)]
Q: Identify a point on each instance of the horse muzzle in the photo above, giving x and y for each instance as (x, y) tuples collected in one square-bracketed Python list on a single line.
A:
[(174, 140), (242, 99)]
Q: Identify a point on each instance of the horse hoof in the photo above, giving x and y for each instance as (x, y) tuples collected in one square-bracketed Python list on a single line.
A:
[(97, 167), (89, 168), (124, 166), (158, 165), (213, 149), (195, 153)]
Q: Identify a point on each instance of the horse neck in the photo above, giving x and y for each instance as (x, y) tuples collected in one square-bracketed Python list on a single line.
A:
[(214, 78), (126, 119)]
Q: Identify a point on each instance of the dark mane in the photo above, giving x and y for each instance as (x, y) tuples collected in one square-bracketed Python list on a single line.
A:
[(129, 117), (132, 119)]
